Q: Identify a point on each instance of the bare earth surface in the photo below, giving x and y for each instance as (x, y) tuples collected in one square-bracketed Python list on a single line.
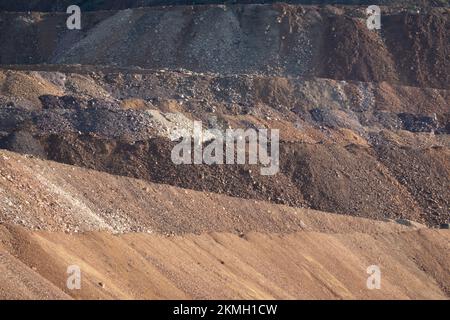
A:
[(302, 265), (180, 248), (88, 120)]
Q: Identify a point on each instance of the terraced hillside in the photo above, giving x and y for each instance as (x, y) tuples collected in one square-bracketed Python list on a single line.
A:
[(134, 239), (372, 150), (90, 118), (411, 49)]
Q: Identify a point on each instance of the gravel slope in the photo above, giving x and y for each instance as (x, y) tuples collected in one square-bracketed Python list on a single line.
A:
[(279, 39), (364, 120)]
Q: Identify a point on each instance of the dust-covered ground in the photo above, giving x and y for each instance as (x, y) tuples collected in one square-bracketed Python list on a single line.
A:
[(134, 239), (89, 119)]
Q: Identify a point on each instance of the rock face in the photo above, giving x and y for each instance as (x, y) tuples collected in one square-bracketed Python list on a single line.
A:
[(411, 49)]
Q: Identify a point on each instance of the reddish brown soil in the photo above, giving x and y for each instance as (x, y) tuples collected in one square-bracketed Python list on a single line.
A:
[(343, 179), (305, 265), (241, 248), (364, 119)]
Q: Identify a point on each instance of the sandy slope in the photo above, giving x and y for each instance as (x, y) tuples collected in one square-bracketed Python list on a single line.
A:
[(196, 245), (46, 195), (414, 264)]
